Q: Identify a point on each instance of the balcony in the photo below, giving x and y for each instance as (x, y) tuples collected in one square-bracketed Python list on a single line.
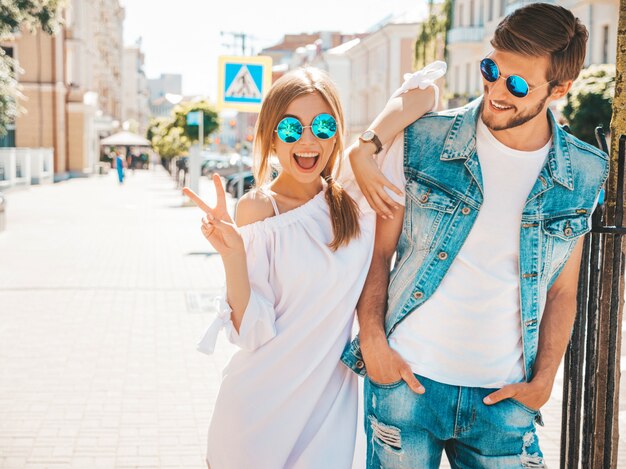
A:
[(466, 34), (511, 6)]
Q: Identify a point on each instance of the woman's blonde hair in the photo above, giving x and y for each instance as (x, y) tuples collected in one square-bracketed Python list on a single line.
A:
[(344, 212)]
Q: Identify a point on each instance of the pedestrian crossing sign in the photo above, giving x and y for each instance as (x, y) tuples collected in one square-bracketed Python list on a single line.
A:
[(243, 82)]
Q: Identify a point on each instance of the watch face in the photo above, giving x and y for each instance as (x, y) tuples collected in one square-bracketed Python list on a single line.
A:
[(367, 135)]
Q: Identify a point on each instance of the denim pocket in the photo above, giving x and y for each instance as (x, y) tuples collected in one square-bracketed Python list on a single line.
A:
[(523, 406), (567, 228), (395, 384)]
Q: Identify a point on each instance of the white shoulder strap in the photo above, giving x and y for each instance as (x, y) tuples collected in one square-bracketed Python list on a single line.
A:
[(266, 192)]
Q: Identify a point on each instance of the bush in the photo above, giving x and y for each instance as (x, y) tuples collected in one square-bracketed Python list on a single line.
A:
[(589, 102)]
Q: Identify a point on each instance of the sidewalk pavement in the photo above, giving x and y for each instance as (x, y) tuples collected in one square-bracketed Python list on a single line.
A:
[(104, 291)]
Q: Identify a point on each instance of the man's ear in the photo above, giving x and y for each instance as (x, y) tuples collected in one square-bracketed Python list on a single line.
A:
[(560, 90)]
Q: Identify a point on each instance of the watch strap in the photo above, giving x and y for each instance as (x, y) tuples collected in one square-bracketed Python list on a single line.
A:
[(375, 140)]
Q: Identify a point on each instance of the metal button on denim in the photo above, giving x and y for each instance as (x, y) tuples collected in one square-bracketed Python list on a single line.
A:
[(360, 364), (424, 198), (443, 255), (567, 231), (417, 295), (465, 211)]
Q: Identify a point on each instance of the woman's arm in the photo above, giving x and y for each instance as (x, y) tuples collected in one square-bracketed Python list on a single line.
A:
[(248, 312), (399, 112), (415, 98)]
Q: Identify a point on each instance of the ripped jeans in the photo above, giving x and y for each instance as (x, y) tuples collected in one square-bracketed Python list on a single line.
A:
[(408, 430)]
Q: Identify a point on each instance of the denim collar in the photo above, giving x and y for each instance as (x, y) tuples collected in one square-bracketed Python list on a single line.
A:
[(460, 143)]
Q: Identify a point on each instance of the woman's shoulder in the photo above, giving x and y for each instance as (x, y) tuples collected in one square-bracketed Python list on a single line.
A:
[(254, 206)]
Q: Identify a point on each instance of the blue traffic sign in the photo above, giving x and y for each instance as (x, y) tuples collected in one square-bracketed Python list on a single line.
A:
[(193, 118), (243, 82)]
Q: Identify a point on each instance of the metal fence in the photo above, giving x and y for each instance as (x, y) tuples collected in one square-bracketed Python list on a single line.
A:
[(589, 433)]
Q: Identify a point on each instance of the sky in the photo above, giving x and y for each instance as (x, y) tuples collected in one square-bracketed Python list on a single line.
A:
[(183, 36)]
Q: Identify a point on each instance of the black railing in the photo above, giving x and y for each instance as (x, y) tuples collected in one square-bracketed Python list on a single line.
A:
[(589, 397)]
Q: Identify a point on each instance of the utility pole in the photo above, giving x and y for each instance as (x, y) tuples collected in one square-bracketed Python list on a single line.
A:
[(240, 37)]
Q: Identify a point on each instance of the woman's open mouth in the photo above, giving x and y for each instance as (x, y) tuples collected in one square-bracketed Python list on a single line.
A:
[(306, 160)]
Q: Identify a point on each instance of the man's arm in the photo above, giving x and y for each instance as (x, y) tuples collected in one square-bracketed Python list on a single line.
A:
[(554, 335), (383, 364)]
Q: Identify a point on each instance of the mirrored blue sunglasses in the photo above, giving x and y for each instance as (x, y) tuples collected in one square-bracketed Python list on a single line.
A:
[(289, 129), (516, 85)]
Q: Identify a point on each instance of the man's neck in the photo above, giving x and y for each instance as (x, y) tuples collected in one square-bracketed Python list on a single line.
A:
[(530, 136)]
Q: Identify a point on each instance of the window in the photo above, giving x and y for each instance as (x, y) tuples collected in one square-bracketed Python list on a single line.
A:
[(490, 11), (471, 12), (605, 44), (502, 7), (7, 141), (481, 14), (461, 15)]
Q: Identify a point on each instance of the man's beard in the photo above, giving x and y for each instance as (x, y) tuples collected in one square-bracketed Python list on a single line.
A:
[(514, 121)]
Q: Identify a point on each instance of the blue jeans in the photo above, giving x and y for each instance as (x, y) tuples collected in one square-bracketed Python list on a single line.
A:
[(408, 430)]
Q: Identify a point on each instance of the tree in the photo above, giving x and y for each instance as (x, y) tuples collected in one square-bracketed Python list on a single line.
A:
[(14, 16), (170, 142), (589, 101), (606, 385), (155, 125), (171, 136), (433, 34), (211, 121)]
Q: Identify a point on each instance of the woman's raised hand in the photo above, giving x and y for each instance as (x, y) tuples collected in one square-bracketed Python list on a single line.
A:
[(220, 211), (218, 227), (372, 183)]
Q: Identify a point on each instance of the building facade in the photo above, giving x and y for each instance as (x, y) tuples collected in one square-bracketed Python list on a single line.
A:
[(72, 85), (474, 22), (135, 92), (378, 63), (158, 88)]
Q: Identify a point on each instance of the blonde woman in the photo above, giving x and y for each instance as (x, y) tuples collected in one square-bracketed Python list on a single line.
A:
[(295, 260)]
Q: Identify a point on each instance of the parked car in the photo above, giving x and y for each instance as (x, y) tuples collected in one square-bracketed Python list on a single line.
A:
[(232, 182), (214, 163), (223, 164)]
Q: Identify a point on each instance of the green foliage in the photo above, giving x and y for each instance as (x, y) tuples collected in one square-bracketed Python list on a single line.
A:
[(30, 14), (14, 16), (433, 33), (155, 125), (169, 141), (9, 92), (211, 121), (171, 136), (589, 102)]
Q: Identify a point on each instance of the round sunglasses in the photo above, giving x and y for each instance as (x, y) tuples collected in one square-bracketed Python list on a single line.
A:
[(289, 129), (516, 85)]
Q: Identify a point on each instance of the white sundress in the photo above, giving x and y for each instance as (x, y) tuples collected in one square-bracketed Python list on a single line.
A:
[(286, 399)]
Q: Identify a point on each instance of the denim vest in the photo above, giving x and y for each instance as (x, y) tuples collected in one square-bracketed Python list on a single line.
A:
[(444, 193)]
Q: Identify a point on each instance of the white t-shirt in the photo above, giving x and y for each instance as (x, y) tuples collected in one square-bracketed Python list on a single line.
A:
[(469, 332)]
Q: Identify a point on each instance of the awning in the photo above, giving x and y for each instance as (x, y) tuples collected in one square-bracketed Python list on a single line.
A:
[(125, 138)]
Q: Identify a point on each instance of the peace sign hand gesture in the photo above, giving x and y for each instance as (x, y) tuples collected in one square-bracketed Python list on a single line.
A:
[(218, 227)]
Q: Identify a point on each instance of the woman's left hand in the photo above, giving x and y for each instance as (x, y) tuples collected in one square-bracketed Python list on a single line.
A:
[(372, 182)]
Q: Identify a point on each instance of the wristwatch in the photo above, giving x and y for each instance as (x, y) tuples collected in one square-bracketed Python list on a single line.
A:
[(370, 136)]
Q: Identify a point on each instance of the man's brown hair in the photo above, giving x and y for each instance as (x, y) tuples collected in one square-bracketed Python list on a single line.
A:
[(542, 29)]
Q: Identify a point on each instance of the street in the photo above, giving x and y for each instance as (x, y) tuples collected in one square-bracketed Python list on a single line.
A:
[(104, 291)]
